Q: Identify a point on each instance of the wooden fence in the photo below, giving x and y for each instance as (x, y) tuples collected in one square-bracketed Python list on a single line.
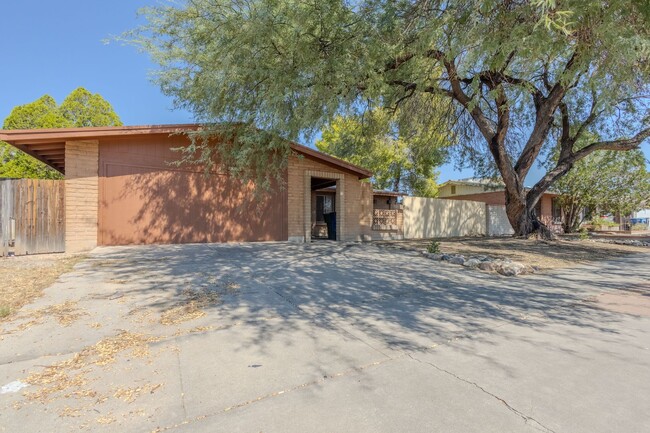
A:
[(32, 216)]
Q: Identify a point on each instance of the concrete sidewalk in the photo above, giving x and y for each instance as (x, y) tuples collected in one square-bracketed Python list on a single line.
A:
[(327, 337)]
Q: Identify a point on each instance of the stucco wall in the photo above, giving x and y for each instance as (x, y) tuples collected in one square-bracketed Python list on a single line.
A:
[(81, 195), (434, 218), (145, 200), (497, 221)]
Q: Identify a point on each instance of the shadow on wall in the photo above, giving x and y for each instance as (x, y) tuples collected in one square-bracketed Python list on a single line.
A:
[(146, 205), (440, 218)]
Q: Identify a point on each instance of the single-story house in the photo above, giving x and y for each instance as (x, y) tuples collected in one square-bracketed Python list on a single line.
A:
[(121, 190), (491, 192)]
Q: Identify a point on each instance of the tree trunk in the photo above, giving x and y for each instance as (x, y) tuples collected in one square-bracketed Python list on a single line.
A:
[(523, 217)]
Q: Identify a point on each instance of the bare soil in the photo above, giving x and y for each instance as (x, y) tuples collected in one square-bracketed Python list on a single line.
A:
[(543, 254), (23, 279)]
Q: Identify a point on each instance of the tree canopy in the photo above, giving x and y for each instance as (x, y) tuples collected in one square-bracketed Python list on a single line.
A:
[(80, 108), (605, 181), (520, 78), (401, 152)]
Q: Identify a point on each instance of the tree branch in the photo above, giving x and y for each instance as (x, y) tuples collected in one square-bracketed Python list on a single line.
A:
[(565, 164)]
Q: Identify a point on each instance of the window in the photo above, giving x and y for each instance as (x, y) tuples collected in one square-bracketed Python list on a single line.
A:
[(556, 210), (324, 205), (453, 189)]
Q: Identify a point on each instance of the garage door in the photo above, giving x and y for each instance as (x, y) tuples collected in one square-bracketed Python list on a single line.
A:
[(144, 200)]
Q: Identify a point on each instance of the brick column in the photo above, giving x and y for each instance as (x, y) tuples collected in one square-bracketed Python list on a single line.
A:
[(81, 195)]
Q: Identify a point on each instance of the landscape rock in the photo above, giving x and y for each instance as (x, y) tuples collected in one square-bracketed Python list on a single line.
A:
[(487, 266), (457, 260), (511, 269), (472, 263)]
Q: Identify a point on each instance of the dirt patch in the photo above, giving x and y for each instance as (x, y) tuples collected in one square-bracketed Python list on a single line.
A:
[(543, 254), (625, 302), (23, 279)]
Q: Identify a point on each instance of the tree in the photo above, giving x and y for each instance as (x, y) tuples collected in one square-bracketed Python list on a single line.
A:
[(401, 153), (520, 75), (80, 108), (609, 181)]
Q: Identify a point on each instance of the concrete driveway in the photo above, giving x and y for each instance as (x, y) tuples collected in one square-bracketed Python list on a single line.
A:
[(326, 338)]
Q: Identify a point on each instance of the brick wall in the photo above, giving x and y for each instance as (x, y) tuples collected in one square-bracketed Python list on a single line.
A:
[(81, 195), (353, 200), (491, 198)]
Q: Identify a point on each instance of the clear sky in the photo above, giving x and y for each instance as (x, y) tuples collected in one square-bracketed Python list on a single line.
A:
[(53, 47)]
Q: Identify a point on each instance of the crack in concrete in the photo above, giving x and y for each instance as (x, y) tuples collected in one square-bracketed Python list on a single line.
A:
[(182, 386), (263, 397), (539, 426)]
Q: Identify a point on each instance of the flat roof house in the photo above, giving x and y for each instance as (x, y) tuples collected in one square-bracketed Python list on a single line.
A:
[(121, 190), (493, 193)]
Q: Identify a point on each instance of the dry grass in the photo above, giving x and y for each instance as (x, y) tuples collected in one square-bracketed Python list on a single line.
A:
[(129, 395), (66, 314), (544, 254), (23, 279), (190, 307), (68, 378)]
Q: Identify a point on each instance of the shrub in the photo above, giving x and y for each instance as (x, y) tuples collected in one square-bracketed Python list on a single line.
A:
[(583, 234), (4, 311), (603, 222), (639, 226), (434, 247)]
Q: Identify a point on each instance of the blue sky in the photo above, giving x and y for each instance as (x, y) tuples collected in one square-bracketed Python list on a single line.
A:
[(53, 47)]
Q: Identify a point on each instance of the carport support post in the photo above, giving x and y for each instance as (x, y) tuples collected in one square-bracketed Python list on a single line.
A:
[(81, 195)]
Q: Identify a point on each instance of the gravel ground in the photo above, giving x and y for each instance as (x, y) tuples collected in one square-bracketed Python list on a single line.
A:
[(543, 254)]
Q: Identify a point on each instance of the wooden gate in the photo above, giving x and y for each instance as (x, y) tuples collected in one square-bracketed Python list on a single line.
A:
[(32, 216)]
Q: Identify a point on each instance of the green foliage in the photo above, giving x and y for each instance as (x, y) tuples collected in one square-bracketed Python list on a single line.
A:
[(84, 109), (80, 108), (583, 234), (603, 222), (291, 67), (433, 247), (401, 152), (616, 182)]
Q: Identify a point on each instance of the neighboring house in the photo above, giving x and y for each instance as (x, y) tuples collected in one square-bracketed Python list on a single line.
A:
[(493, 193), (120, 190)]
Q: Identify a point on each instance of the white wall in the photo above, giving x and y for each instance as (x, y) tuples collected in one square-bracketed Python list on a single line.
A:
[(497, 221)]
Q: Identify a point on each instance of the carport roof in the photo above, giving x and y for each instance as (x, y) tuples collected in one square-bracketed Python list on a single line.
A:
[(48, 145)]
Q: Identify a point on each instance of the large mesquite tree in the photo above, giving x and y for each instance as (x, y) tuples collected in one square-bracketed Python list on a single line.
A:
[(523, 78)]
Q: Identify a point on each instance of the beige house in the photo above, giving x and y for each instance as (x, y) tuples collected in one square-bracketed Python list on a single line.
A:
[(121, 190)]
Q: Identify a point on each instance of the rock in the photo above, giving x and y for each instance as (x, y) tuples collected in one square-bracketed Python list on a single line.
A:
[(511, 269), (472, 263), (436, 256), (486, 266), (457, 260), (446, 257)]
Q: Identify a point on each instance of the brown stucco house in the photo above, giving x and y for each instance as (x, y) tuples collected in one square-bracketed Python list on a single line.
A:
[(121, 190), (493, 193)]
